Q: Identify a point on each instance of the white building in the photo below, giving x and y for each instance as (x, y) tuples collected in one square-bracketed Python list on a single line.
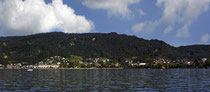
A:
[(48, 66)]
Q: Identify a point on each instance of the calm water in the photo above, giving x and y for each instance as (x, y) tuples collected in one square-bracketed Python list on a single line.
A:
[(99, 80)]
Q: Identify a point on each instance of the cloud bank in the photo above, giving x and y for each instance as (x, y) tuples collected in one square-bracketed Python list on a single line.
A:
[(24, 17), (113, 7), (176, 13)]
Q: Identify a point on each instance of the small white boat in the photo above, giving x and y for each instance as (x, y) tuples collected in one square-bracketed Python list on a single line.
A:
[(29, 70)]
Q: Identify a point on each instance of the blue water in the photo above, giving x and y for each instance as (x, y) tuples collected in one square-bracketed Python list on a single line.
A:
[(106, 80)]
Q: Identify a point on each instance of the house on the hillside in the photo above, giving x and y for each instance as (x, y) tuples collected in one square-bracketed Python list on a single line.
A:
[(204, 60), (142, 64), (1, 66)]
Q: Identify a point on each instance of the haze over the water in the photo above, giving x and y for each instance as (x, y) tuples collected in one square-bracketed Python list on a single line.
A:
[(177, 22)]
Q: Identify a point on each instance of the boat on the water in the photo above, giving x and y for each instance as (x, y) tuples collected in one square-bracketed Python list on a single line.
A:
[(29, 70)]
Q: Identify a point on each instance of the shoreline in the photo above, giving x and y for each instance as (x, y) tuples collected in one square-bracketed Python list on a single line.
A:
[(58, 68), (91, 68)]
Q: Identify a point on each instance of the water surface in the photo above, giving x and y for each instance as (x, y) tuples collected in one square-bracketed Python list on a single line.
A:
[(106, 80)]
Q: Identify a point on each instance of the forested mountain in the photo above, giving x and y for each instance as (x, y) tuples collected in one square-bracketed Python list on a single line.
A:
[(34, 48)]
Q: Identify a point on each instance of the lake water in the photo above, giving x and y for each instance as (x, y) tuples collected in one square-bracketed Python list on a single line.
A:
[(106, 80)]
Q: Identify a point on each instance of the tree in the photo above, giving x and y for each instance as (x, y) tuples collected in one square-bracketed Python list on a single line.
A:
[(74, 58)]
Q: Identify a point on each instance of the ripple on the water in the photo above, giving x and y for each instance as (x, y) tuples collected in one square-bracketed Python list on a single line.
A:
[(127, 80)]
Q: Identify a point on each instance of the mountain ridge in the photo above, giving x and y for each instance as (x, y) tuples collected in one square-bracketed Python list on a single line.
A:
[(36, 47)]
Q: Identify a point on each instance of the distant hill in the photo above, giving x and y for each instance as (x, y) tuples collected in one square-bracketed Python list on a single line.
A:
[(34, 48)]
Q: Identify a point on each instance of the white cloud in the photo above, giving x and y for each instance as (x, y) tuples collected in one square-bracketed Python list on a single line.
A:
[(23, 17), (113, 7), (141, 12), (205, 38), (138, 27), (168, 29), (183, 32), (145, 27), (181, 12)]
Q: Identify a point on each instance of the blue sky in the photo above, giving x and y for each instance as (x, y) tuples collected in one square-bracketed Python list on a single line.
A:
[(177, 22)]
